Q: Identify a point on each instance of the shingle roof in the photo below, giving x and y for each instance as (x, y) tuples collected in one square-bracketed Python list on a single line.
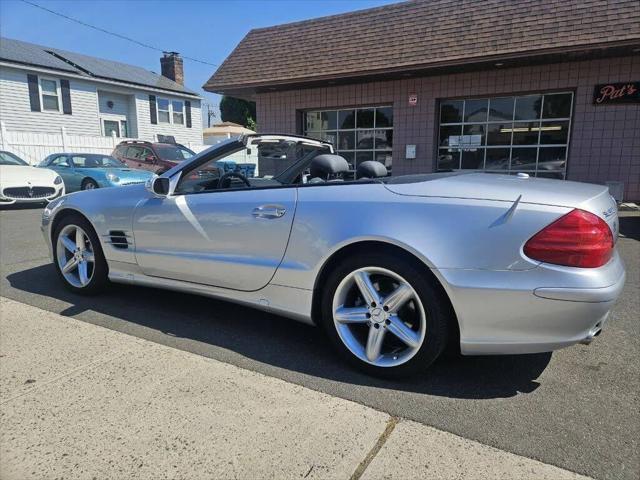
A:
[(17, 51), (422, 34)]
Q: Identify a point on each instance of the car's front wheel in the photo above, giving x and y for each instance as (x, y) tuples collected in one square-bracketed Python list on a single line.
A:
[(385, 314), (79, 260), (89, 184)]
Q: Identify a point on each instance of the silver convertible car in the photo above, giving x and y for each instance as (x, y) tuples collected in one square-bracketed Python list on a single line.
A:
[(393, 268)]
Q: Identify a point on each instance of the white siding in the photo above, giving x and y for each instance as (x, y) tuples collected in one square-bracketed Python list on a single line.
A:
[(184, 135), (15, 109), (120, 103)]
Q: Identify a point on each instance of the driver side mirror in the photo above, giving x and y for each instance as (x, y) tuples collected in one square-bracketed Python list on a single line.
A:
[(158, 186)]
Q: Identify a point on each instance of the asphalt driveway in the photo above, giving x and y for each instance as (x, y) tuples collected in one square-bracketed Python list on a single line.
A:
[(577, 408)]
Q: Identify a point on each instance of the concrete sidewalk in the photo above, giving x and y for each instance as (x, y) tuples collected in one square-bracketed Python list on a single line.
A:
[(81, 401)]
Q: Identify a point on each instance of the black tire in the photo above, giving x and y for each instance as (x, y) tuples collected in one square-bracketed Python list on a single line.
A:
[(89, 184), (436, 307), (99, 279)]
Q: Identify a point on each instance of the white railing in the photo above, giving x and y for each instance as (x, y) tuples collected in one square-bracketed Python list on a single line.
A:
[(34, 147)]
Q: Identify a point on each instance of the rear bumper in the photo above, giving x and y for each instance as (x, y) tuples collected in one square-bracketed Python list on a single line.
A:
[(532, 311)]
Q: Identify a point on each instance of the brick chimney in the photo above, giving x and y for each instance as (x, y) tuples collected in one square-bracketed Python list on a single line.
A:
[(171, 67)]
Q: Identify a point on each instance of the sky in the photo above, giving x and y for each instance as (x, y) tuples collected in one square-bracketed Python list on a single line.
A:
[(207, 30)]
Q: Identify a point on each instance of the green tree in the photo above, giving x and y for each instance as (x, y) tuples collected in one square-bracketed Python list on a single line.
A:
[(238, 111)]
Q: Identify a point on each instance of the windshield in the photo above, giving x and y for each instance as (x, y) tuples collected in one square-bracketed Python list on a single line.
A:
[(96, 161), (173, 152), (7, 158)]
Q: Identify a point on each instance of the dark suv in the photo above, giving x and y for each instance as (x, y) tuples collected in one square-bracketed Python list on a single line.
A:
[(156, 157)]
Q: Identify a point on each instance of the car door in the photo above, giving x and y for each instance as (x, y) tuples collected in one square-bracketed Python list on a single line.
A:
[(230, 239), (63, 166)]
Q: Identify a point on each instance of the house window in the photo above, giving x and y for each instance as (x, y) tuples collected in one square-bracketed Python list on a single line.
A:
[(111, 127), (50, 94), (124, 128), (164, 114), (358, 134), (177, 106), (527, 133)]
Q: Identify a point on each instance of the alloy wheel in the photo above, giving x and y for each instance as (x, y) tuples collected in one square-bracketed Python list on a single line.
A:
[(379, 316), (75, 257)]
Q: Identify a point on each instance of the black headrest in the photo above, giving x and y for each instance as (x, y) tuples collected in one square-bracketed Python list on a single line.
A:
[(371, 169), (327, 164)]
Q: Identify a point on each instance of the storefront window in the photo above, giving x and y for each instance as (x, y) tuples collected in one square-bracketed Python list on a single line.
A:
[(358, 134), (527, 133)]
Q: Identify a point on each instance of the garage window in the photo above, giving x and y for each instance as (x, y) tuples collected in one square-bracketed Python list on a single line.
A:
[(510, 134), (358, 134)]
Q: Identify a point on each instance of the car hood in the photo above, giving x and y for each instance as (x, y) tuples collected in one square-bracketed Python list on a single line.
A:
[(22, 175), (487, 186)]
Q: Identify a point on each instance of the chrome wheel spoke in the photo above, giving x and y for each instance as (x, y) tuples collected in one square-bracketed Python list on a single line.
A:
[(351, 314), (83, 272), (70, 265), (374, 342), (396, 299), (367, 290), (80, 239), (403, 332), (89, 257), (68, 243)]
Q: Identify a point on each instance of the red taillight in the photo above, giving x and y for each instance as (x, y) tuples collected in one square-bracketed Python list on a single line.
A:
[(578, 239)]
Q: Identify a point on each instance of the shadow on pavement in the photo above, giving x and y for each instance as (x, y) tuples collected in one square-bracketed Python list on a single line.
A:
[(274, 340), (630, 226)]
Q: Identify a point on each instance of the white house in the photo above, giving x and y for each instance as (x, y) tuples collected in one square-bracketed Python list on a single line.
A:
[(44, 89)]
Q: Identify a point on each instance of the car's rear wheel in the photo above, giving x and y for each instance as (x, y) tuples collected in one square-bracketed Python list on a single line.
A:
[(385, 315), (88, 184), (79, 260)]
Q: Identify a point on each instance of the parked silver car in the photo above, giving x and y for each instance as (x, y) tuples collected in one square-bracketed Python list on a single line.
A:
[(394, 269)]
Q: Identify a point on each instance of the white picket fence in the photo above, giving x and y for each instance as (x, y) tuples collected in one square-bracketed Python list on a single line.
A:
[(34, 147)]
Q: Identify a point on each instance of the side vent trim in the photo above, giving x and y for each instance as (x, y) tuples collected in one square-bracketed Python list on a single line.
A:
[(119, 239)]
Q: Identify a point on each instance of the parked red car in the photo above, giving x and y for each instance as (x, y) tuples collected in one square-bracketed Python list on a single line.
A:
[(156, 157)]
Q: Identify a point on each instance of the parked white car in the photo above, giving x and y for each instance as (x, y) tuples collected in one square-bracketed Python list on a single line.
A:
[(22, 183)]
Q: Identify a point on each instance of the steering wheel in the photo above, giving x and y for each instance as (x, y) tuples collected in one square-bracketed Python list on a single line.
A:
[(225, 180)]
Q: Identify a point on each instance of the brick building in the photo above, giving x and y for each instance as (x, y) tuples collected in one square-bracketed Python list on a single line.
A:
[(547, 87)]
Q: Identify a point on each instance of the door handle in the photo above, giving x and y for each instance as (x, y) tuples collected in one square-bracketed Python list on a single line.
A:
[(269, 211)]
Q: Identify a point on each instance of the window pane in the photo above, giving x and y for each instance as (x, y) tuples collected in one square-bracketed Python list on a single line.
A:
[(473, 158), (163, 104), (554, 132), (384, 117), (163, 116), (178, 118), (347, 119), (497, 159), (523, 159), (124, 128), (448, 159), (552, 158), (501, 109), (451, 111), (346, 140), (49, 102), (384, 139), (525, 133), (554, 175), (528, 108), (111, 127), (177, 106), (557, 105), (363, 157), (475, 110), (450, 135), (322, 120), (476, 132), (365, 139), (499, 134), (49, 86), (326, 136), (364, 118)]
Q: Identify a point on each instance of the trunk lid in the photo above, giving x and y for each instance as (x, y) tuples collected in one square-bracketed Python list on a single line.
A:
[(484, 186)]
